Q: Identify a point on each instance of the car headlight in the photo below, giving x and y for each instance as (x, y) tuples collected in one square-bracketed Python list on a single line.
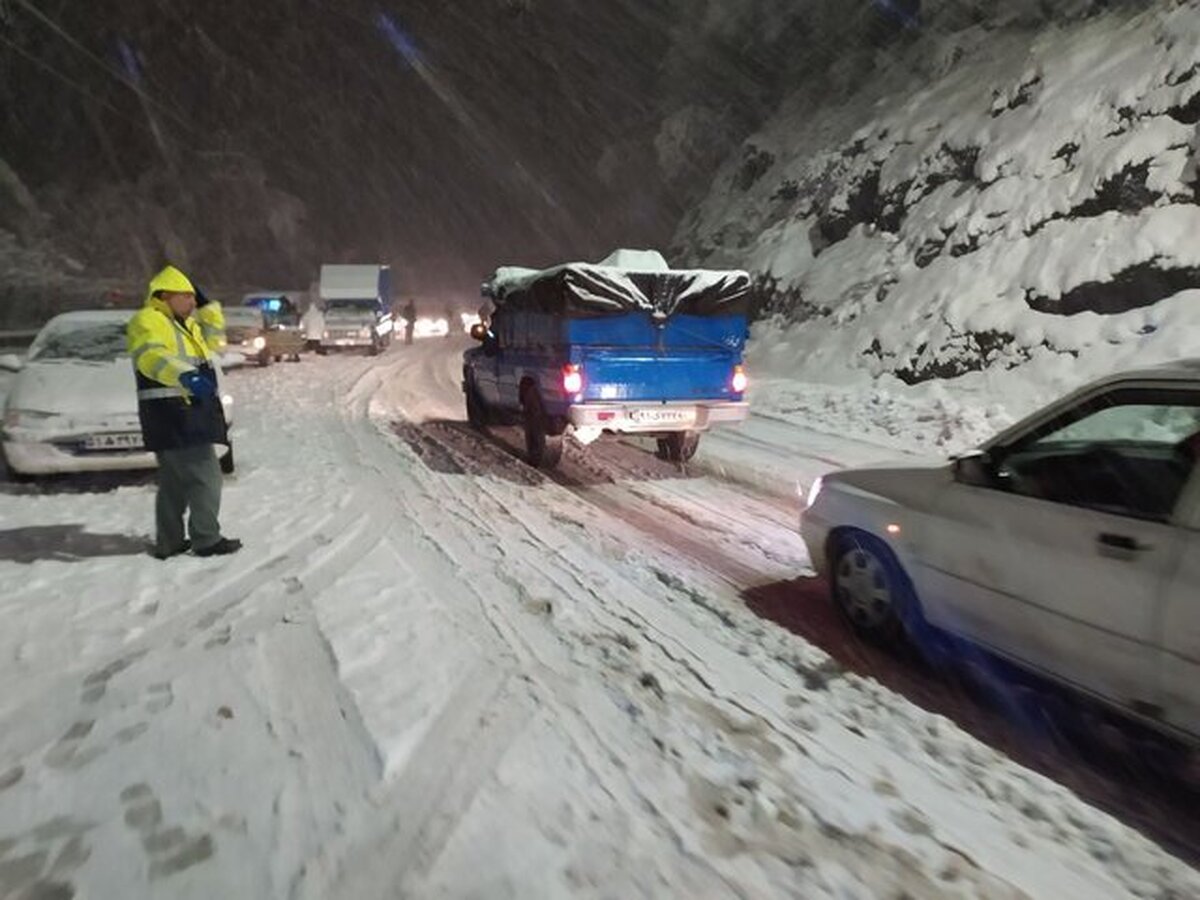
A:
[(24, 418), (260, 342), (364, 332), (814, 491)]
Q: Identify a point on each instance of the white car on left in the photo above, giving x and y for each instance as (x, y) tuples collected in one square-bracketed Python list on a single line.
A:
[(72, 404)]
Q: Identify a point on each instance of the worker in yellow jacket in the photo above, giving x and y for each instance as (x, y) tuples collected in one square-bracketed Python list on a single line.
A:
[(181, 417), (212, 321)]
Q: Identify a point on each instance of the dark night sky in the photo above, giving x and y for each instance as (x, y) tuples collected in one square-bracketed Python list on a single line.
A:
[(443, 137), (440, 140)]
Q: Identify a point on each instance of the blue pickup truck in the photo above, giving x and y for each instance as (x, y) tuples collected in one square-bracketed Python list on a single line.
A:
[(627, 346)]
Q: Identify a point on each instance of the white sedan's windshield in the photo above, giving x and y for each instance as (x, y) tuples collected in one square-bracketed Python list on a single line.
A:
[(91, 342), (244, 318)]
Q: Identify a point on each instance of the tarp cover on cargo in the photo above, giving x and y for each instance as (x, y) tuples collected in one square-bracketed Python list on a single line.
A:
[(626, 281)]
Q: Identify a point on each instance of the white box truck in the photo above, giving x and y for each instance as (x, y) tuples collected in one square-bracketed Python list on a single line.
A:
[(357, 305)]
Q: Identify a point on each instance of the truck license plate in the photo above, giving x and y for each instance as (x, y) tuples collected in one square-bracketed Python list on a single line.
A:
[(664, 416), (125, 441)]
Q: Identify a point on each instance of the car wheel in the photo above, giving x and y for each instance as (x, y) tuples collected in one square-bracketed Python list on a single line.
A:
[(869, 587), (477, 416), (679, 446), (542, 449), (227, 464), (264, 360)]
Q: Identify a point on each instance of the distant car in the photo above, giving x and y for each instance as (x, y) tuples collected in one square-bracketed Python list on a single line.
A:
[(72, 406), (1069, 546), (284, 334), (246, 333), (428, 327)]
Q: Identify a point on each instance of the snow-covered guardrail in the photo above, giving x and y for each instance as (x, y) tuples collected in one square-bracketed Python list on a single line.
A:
[(17, 338)]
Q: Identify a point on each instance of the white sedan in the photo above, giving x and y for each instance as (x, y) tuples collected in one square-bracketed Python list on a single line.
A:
[(1068, 545), (72, 405)]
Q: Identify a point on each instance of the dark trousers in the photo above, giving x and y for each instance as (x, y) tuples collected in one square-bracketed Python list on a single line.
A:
[(188, 479)]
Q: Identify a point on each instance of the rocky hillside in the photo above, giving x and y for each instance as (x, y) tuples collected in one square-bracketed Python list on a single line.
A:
[(1002, 196)]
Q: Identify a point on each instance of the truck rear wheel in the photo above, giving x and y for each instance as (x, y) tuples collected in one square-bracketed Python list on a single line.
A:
[(477, 416), (542, 449), (679, 446)]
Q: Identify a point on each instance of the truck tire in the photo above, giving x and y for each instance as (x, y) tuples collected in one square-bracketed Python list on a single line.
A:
[(679, 446), (542, 449), (264, 360), (477, 416)]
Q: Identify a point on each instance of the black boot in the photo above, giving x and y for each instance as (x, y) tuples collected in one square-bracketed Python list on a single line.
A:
[(183, 548), (223, 547)]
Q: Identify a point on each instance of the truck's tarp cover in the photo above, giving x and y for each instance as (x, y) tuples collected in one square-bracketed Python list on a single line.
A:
[(628, 280), (350, 282)]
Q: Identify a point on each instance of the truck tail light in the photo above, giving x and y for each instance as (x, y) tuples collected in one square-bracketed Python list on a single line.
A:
[(739, 382), (572, 379)]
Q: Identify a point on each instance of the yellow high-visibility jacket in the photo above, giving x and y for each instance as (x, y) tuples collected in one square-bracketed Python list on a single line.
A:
[(163, 349), (212, 325)]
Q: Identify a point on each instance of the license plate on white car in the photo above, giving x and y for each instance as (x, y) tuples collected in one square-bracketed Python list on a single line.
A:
[(123, 441), (664, 416)]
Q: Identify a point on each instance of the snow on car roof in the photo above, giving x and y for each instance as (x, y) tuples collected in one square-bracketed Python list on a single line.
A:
[(92, 317)]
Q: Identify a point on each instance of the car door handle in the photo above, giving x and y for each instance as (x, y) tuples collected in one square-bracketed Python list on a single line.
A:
[(1120, 542)]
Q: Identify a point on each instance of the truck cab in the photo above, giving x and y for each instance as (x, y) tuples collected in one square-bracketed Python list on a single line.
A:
[(625, 347), (356, 302)]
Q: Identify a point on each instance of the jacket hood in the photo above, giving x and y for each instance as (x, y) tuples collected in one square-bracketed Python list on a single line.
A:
[(169, 279)]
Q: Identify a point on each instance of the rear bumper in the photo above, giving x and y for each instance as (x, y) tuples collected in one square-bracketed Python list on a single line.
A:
[(656, 418)]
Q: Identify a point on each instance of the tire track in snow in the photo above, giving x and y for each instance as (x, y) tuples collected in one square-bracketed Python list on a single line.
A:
[(399, 834), (680, 656), (460, 447), (601, 754), (47, 711)]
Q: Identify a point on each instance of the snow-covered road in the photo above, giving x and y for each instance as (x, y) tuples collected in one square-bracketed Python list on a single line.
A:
[(435, 672)]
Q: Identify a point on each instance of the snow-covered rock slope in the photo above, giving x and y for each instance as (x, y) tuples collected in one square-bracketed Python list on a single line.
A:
[(1012, 202)]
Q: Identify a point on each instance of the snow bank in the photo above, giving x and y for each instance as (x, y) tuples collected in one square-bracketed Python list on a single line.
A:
[(1027, 216)]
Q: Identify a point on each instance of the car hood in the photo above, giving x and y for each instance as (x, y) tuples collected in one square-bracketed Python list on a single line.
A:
[(912, 483), (88, 391)]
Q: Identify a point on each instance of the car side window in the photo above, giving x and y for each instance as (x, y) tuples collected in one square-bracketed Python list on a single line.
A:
[(1129, 451)]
